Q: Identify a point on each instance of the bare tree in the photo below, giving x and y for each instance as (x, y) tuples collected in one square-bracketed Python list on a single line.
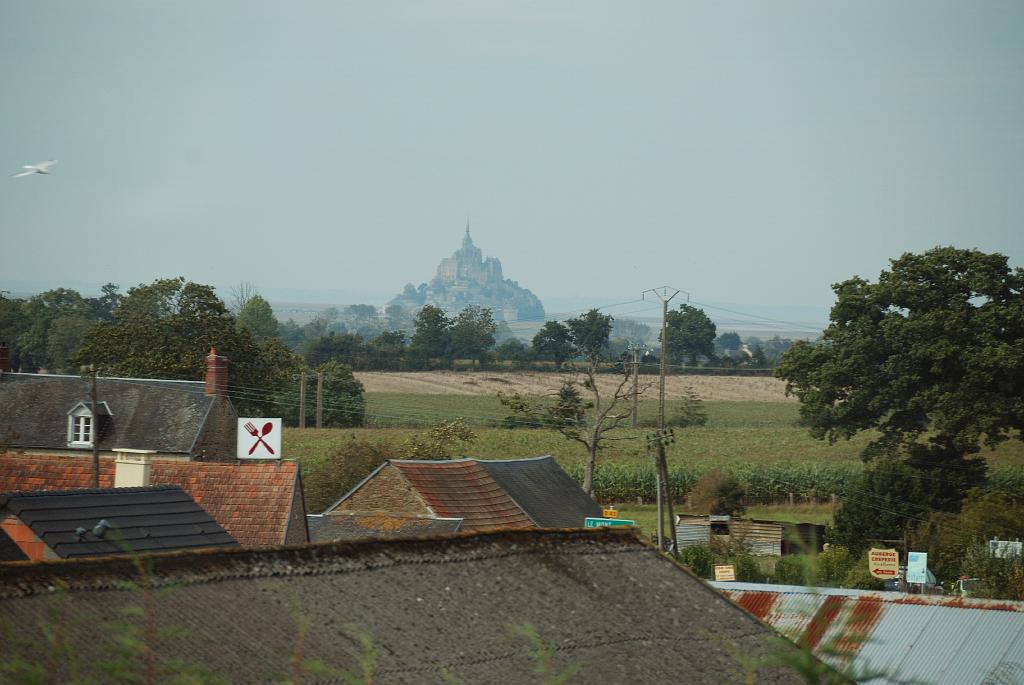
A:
[(586, 420), (241, 294)]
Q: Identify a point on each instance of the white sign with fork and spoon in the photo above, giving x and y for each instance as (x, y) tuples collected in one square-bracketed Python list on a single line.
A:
[(259, 438)]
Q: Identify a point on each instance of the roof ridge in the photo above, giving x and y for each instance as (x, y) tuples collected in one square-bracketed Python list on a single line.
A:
[(87, 491)]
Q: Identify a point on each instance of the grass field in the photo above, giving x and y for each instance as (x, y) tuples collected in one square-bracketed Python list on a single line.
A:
[(646, 515)]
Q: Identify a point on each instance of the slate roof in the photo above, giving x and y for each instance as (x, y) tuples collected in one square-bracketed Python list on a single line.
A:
[(348, 525), (9, 550), (610, 604), (252, 501), (159, 415), (905, 638), (548, 495), (141, 519), (463, 489)]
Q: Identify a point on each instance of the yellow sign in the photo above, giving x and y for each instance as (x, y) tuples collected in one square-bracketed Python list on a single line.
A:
[(726, 572), (610, 513), (884, 563)]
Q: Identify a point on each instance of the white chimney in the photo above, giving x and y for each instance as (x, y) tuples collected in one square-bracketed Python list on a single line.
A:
[(131, 468)]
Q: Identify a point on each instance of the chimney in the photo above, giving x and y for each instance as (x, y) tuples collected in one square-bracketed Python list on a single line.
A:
[(131, 468), (216, 375), (5, 358)]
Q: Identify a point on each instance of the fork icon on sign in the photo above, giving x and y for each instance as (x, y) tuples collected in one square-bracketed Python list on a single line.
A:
[(251, 430)]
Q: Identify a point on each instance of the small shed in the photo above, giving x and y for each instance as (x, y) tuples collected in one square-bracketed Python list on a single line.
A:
[(760, 538)]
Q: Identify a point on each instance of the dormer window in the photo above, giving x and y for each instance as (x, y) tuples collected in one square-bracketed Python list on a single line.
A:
[(81, 430), (82, 427)]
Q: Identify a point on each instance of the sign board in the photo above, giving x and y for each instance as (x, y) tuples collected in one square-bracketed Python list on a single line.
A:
[(1005, 549), (884, 563), (917, 567), (259, 438), (726, 572), (597, 523), (610, 513)]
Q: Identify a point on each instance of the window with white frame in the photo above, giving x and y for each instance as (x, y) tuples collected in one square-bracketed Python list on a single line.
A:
[(83, 426), (81, 430)]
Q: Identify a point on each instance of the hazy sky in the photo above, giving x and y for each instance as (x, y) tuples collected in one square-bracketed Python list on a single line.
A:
[(751, 153)]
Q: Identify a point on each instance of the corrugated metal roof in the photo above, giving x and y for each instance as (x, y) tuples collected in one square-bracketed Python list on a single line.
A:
[(927, 639)]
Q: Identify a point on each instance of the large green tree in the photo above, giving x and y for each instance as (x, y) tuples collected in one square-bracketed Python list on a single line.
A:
[(590, 334), (554, 342), (931, 356), (431, 338), (933, 351), (690, 334), (257, 317), (166, 328), (472, 333), (343, 403)]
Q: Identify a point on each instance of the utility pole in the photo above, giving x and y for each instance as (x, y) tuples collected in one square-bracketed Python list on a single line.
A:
[(635, 349), (94, 430), (302, 399), (319, 399), (665, 294)]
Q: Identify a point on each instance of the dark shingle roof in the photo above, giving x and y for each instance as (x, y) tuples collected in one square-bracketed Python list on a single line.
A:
[(154, 518), (613, 606), (463, 489), (544, 491), (349, 525), (250, 500), (164, 416), (9, 551)]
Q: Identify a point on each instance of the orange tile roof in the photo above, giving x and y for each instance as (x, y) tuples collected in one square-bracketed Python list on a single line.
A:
[(251, 501), (463, 489)]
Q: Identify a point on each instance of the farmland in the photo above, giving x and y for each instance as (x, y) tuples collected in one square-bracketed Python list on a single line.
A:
[(761, 442)]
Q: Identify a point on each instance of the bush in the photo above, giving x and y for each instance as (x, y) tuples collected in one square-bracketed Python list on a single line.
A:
[(794, 569), (329, 478), (717, 493), (440, 441), (698, 559)]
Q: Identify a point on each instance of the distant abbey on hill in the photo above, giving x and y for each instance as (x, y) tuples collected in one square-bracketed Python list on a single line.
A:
[(467, 278)]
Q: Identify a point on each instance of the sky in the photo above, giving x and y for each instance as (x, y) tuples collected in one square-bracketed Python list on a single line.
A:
[(748, 153)]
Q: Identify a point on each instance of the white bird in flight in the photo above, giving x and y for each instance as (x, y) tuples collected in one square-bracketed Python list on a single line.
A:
[(40, 168)]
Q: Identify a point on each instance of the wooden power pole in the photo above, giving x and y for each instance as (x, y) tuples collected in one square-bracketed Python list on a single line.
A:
[(302, 400), (665, 294), (319, 399), (94, 429)]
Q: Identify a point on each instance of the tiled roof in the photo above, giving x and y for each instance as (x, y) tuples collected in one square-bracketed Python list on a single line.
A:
[(463, 489), (251, 501), (164, 416), (160, 518), (349, 525), (550, 497), (903, 638), (614, 608)]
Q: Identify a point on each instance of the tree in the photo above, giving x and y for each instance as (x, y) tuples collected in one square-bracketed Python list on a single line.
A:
[(553, 341), (64, 337), (388, 349), (883, 504), (347, 348), (590, 333), (344, 405), (514, 350), (728, 341), (103, 306), (718, 493), (440, 441), (431, 338), (257, 317), (690, 334), (633, 331), (930, 357), (583, 420), (165, 330), (40, 312), (472, 333)]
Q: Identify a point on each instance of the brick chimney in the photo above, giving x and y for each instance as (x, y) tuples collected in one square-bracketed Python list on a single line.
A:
[(216, 374), (5, 358)]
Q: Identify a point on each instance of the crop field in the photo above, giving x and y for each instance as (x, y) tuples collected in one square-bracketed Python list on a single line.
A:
[(761, 443)]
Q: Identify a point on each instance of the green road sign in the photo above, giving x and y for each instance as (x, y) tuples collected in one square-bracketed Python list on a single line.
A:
[(597, 523)]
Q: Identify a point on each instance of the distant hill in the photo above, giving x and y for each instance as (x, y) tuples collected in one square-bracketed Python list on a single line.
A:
[(466, 278)]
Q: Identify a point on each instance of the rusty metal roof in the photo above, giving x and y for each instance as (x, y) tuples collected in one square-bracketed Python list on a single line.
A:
[(929, 639)]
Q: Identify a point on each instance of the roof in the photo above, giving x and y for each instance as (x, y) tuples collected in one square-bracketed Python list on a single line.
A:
[(140, 519), (349, 525), (252, 501), (548, 495), (612, 606), (463, 489), (9, 550), (910, 638), (159, 415)]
